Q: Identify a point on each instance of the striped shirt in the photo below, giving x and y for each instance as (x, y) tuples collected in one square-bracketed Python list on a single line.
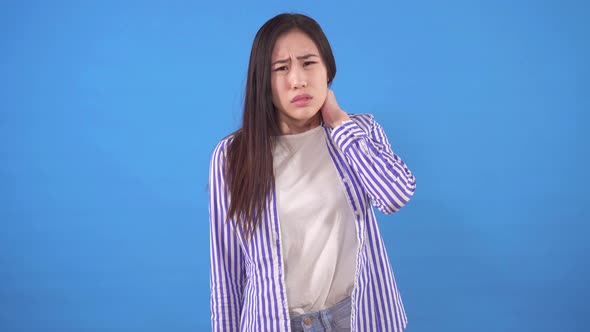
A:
[(247, 277)]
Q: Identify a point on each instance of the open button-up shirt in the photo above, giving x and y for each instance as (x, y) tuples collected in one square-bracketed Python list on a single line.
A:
[(247, 277)]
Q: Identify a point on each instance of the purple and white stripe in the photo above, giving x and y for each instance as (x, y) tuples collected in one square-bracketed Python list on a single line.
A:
[(247, 277)]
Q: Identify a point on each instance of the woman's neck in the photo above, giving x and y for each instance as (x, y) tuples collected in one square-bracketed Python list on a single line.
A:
[(292, 126)]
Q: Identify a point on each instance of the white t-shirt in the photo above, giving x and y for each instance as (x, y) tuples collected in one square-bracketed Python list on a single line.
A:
[(317, 223)]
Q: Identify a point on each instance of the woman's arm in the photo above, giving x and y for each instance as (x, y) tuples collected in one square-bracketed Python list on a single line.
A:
[(385, 177), (227, 261)]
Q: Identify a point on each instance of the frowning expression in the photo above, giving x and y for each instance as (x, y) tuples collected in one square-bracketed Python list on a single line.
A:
[(299, 81)]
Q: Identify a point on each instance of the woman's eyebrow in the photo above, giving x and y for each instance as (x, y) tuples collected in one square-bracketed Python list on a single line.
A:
[(303, 57)]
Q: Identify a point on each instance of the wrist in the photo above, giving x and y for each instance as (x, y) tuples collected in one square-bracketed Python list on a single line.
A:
[(339, 121)]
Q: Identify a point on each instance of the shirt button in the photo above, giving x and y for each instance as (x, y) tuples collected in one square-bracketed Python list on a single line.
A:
[(307, 320), (344, 180)]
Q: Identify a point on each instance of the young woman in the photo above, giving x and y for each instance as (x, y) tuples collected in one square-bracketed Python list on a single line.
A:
[(295, 244)]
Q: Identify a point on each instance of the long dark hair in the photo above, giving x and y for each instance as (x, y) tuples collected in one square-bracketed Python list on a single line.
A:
[(249, 169)]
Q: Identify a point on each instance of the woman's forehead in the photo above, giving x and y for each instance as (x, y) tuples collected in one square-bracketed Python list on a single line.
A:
[(294, 44)]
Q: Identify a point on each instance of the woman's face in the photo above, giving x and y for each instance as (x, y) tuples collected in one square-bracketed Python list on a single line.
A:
[(299, 82)]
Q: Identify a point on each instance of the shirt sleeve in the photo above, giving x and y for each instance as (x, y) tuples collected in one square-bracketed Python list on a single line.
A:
[(227, 261), (386, 178)]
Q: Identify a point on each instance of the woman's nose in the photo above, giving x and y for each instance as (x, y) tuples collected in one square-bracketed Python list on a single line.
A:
[(297, 78)]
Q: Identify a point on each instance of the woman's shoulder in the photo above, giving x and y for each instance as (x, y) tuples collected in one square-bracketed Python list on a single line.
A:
[(222, 146)]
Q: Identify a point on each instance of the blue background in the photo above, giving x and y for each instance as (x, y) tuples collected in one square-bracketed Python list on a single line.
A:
[(110, 111)]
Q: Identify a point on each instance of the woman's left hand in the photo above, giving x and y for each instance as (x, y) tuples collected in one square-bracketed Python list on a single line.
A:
[(332, 114)]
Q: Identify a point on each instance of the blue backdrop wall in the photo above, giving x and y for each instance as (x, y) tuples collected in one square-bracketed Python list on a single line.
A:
[(110, 111)]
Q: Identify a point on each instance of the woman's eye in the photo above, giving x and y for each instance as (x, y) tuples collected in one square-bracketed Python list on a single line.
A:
[(307, 63), (281, 68)]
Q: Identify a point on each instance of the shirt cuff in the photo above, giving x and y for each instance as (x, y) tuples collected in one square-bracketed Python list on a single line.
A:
[(347, 133)]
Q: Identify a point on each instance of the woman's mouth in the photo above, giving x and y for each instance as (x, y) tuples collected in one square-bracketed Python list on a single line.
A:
[(302, 100)]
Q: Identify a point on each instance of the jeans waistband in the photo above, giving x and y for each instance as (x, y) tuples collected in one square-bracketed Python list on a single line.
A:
[(317, 314)]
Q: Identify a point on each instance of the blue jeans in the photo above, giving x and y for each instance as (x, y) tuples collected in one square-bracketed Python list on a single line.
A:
[(335, 319)]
